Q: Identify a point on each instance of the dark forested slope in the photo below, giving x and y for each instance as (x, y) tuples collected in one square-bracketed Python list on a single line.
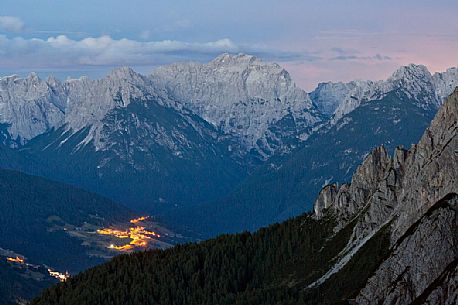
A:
[(30, 204), (35, 213), (267, 267)]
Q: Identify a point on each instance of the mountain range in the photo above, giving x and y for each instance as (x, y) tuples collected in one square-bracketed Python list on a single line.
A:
[(286, 184), (195, 143), (429, 90)]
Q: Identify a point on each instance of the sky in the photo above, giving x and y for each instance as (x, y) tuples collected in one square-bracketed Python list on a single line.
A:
[(316, 41)]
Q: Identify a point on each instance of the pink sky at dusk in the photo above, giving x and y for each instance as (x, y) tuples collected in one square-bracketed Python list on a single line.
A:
[(315, 40), (437, 53), (374, 46)]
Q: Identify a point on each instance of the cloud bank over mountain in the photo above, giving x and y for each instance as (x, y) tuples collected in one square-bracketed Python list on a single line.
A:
[(315, 41)]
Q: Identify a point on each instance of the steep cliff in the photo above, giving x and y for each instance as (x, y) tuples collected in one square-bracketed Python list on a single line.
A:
[(414, 196)]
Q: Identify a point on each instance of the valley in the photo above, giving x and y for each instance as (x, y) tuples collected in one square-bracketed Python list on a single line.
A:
[(99, 242), (56, 234), (138, 236), (133, 235)]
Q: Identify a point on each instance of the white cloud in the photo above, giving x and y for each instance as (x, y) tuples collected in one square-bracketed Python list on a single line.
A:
[(62, 52), (11, 24)]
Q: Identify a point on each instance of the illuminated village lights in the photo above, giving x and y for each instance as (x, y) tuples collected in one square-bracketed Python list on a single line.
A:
[(17, 260), (139, 219), (112, 232), (62, 277), (138, 235)]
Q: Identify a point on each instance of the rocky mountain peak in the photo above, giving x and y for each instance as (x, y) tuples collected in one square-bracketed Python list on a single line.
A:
[(417, 82), (227, 59), (378, 166), (30, 106), (329, 96), (245, 62), (446, 82), (412, 71), (240, 95), (33, 78), (53, 81), (124, 73), (346, 199), (8, 78), (89, 101), (414, 81)]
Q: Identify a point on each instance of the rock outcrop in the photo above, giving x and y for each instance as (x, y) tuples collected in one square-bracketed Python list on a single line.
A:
[(30, 106), (329, 96), (413, 195)]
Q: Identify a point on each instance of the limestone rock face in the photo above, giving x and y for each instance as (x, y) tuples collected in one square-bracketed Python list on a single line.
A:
[(326, 199), (347, 199), (242, 95), (255, 105), (413, 195), (415, 81), (30, 106), (330, 97), (421, 260), (446, 82), (89, 101)]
